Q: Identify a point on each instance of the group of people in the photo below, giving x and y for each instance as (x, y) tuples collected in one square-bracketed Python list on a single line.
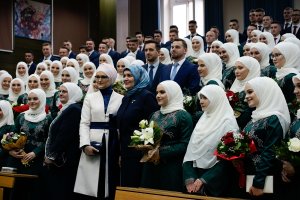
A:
[(79, 125)]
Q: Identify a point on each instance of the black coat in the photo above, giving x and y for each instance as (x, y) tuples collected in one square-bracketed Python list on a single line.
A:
[(157, 77)]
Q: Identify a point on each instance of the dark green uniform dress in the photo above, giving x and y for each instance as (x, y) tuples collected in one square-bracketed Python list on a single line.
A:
[(265, 133), (269, 71), (3, 96), (177, 128), (3, 153), (287, 87), (23, 99), (228, 77)]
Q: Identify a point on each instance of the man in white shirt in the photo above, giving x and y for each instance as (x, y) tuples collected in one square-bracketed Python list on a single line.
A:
[(276, 30)]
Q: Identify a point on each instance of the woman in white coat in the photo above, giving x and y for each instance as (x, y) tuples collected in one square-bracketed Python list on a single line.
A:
[(97, 173)]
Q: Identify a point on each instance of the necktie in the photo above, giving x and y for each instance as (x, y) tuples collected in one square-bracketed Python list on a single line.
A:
[(174, 71), (141, 47), (275, 39), (286, 25), (295, 29), (259, 27), (208, 49), (151, 73)]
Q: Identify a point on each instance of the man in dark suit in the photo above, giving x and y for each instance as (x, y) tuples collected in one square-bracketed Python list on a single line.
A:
[(173, 34), (182, 71), (276, 31), (47, 52), (259, 14), (234, 24), (63, 52), (157, 35), (104, 48), (133, 47), (140, 37), (287, 16), (68, 45), (295, 27), (29, 61), (153, 66), (124, 53), (93, 55)]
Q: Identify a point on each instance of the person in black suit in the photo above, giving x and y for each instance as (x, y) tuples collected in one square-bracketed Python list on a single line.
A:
[(68, 45), (295, 27), (276, 31), (133, 47), (287, 16), (153, 66), (29, 61), (182, 71), (124, 53), (93, 55), (140, 37), (47, 52), (173, 34), (157, 35), (234, 24), (104, 48), (63, 52)]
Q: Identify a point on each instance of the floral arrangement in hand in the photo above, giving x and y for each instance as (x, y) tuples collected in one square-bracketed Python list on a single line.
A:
[(118, 87), (147, 139), (189, 103), (15, 141), (289, 150), (236, 103), (233, 147)]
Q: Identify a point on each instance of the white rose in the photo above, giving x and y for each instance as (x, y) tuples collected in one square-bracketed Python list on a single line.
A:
[(143, 123), (136, 132), (294, 145)]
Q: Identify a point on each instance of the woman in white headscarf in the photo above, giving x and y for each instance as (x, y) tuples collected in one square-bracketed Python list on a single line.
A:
[(164, 169), (88, 69), (52, 95), (16, 89), (56, 69), (247, 68), (82, 58), (210, 69), (200, 166), (287, 35), (5, 80), (33, 82), (294, 40), (269, 125), (42, 66), (121, 64), (268, 39), (48, 63), (64, 61), (164, 56), (6, 126), (198, 47), (97, 170), (246, 49), (93, 87), (105, 58), (73, 63), (261, 52), (215, 46), (232, 35), (229, 53), (69, 74), (286, 59), (254, 35), (189, 50), (61, 150), (22, 71)]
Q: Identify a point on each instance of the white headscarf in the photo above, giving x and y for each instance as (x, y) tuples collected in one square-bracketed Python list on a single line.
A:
[(74, 93), (137, 62), (86, 80), (288, 35), (214, 66), (270, 39), (264, 51), (297, 76), (189, 49), (2, 77), (254, 71), (201, 51), (107, 58), (233, 53), (64, 58), (249, 45), (291, 54), (167, 59), (73, 74), (75, 64), (38, 80), (294, 40), (258, 33), (38, 114), (235, 36), (271, 101), (85, 58), (126, 64), (109, 70), (41, 65), (25, 76), (48, 63), (57, 78), (217, 120), (8, 116), (175, 97), (131, 57), (51, 89), (12, 96), (91, 86)]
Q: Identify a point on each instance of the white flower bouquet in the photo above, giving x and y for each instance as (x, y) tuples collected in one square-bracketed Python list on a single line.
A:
[(289, 151)]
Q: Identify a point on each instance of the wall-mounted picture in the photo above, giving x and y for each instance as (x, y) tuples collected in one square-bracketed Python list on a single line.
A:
[(32, 20)]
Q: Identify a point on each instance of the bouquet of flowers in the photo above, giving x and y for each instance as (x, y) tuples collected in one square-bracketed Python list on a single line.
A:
[(233, 147), (237, 105), (189, 103), (289, 150), (14, 141), (146, 139), (119, 87)]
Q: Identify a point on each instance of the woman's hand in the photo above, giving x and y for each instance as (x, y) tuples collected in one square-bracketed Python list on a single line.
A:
[(28, 157), (190, 187), (197, 185), (90, 151), (17, 153), (253, 191), (287, 172)]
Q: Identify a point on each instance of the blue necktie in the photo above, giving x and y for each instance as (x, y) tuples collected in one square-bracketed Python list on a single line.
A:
[(174, 71), (151, 73)]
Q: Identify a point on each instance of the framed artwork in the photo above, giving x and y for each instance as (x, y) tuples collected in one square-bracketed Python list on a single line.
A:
[(33, 20)]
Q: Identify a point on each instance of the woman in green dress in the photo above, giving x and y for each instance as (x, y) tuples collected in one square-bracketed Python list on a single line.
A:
[(203, 173), (5, 80), (69, 74), (261, 52), (176, 126), (16, 89), (232, 35), (33, 82), (88, 70), (6, 126), (269, 125), (198, 47)]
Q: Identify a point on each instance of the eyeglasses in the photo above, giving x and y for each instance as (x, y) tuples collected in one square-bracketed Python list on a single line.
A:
[(101, 77), (31, 81), (275, 55), (16, 85)]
